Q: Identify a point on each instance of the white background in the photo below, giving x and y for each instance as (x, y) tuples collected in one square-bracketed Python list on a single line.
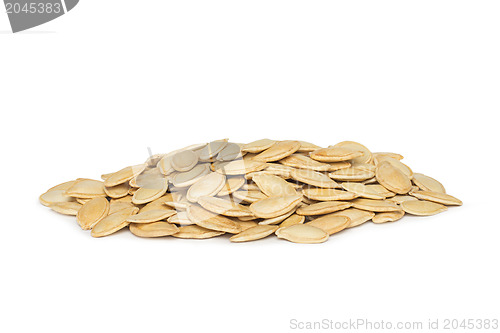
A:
[(89, 92)]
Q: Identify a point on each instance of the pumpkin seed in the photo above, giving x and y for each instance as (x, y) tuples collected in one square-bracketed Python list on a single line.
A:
[(212, 221), (366, 156), (438, 197), (327, 194), (86, 189), (302, 233), (92, 212), (196, 232), (392, 178), (150, 193), (292, 219), (207, 153), (374, 205), (427, 183), (388, 216), (155, 229), (324, 207), (272, 185), (422, 208), (275, 206), (362, 190), (184, 160), (232, 184), (258, 146), (151, 216), (313, 178), (223, 207), (230, 152), (334, 154), (112, 223), (124, 175), (351, 174), (208, 185), (55, 196), (357, 216), (185, 179), (66, 208), (331, 224), (278, 151), (254, 233), (305, 162)]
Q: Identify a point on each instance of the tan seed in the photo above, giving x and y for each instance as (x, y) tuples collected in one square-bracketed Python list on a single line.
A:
[(313, 178), (305, 162), (184, 160), (212, 221), (388, 216), (422, 208), (92, 212), (258, 146), (86, 189), (366, 156), (442, 198), (272, 185), (254, 233), (331, 224), (328, 194), (124, 175), (151, 216), (224, 207), (275, 206), (357, 216), (196, 232), (66, 208), (334, 154), (324, 207), (292, 219), (427, 183), (55, 196), (208, 185), (374, 205), (302, 233), (362, 190), (278, 151), (155, 229), (113, 223), (392, 178), (232, 184)]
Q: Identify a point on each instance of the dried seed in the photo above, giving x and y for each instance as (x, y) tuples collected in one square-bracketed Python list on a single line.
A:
[(397, 164), (375, 205), (272, 185), (86, 189), (212, 221), (278, 219), (292, 219), (324, 207), (392, 178), (327, 194), (117, 206), (422, 208), (331, 224), (150, 193), (155, 229), (278, 151), (240, 167), (362, 190), (304, 162), (258, 146), (302, 233), (55, 196), (388, 216), (196, 232), (357, 216), (244, 225), (112, 223), (208, 153), (208, 185), (427, 183), (124, 175), (118, 191), (398, 199), (151, 216), (185, 179), (249, 196), (334, 154), (66, 208), (275, 206), (224, 207), (92, 212), (351, 174), (230, 152), (442, 198), (184, 160), (366, 156), (254, 233), (232, 184), (313, 178)]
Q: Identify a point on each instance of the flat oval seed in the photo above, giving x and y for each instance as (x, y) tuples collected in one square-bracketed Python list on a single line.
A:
[(208, 185), (185, 179), (240, 167), (232, 184), (292, 220), (398, 199), (211, 150), (392, 178), (304, 162), (381, 190), (124, 175), (86, 189), (148, 194), (92, 212), (151, 216), (55, 196), (249, 196), (184, 161), (331, 224), (277, 219), (117, 206), (118, 191), (384, 154), (212, 221), (275, 206), (324, 207), (66, 208), (313, 178), (442, 198), (244, 225), (272, 185), (388, 216), (334, 154), (230, 152), (258, 146), (422, 208), (427, 183), (63, 186), (196, 232), (362, 190), (307, 147), (351, 174), (224, 207), (155, 229), (375, 205), (397, 164), (278, 151), (366, 156), (254, 233), (327, 194), (357, 216), (112, 223), (302, 233)]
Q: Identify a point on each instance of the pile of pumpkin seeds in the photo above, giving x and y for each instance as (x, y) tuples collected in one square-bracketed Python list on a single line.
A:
[(296, 190)]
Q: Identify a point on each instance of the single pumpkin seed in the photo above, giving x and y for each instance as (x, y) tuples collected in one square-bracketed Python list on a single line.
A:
[(302, 233)]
